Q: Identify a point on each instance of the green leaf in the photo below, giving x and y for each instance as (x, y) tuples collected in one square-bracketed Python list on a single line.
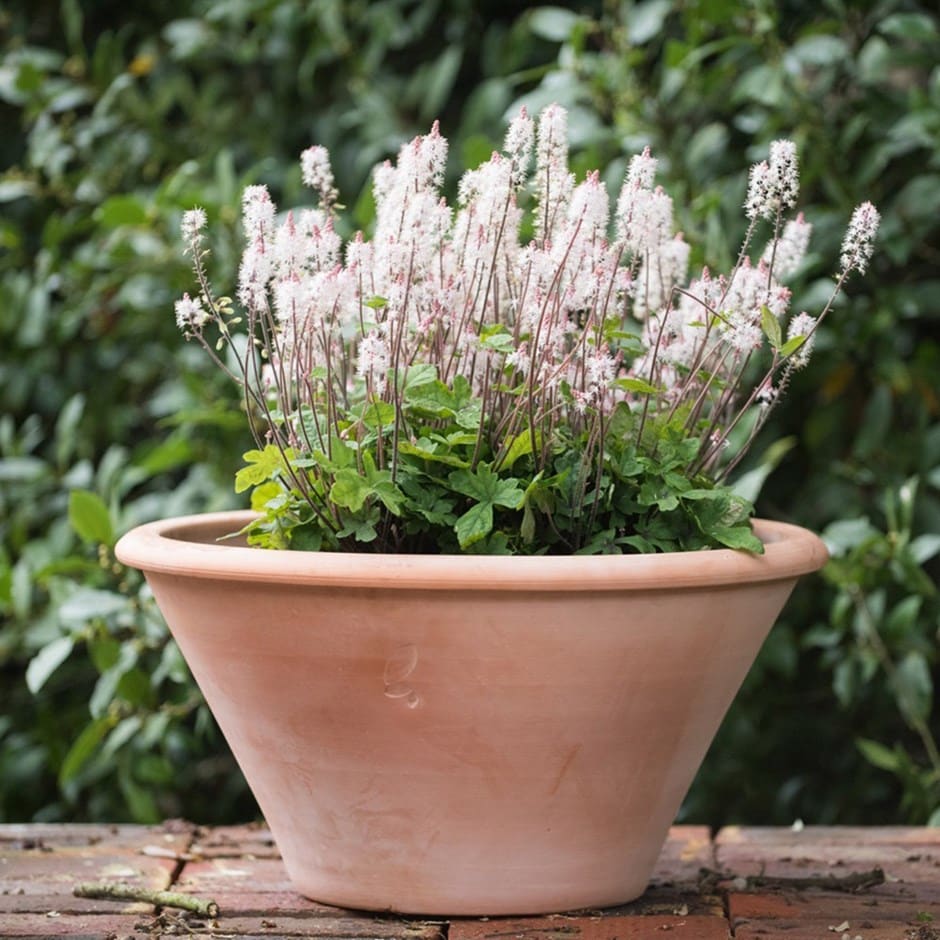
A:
[(552, 23), (306, 539), (740, 537), (363, 530), (11, 190), (638, 386), (66, 428), (487, 487), (749, 485), (878, 755), (90, 518), (106, 688), (843, 535), (349, 490), (142, 805), (378, 415), (924, 547), (489, 490), (103, 650), (22, 469), (913, 687), (86, 604), (904, 615), (431, 398), (262, 465), (475, 524), (262, 495), (437, 80), (390, 496), (914, 27), (81, 751), (126, 731), (121, 210), (771, 327), (791, 346), (46, 661), (421, 373), (521, 446), (496, 336), (429, 450)]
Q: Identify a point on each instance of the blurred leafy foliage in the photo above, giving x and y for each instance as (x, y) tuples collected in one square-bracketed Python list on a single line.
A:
[(114, 123)]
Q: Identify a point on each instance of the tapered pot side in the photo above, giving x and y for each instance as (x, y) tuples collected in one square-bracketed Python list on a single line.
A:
[(459, 734)]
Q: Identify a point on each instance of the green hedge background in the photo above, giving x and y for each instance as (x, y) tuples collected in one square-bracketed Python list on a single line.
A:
[(115, 119)]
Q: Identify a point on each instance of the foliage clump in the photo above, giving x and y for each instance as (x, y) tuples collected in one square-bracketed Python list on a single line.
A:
[(487, 379)]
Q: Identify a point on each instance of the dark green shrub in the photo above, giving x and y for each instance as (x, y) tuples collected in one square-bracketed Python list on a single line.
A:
[(111, 127), (858, 87), (110, 131)]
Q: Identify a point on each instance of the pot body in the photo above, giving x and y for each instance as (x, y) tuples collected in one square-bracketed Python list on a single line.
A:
[(459, 735)]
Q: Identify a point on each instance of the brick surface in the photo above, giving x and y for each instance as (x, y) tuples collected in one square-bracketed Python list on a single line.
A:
[(824, 850), (253, 841), (909, 858), (597, 927), (824, 905), (75, 926), (41, 864), (239, 868), (820, 930), (687, 850), (907, 902), (342, 925)]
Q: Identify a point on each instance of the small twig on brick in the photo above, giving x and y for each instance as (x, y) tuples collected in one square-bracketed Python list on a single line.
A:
[(854, 881), (124, 892)]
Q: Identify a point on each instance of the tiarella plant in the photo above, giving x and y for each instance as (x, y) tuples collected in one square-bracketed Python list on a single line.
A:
[(489, 379)]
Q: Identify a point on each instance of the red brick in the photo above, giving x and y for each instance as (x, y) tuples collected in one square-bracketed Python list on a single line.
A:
[(247, 903), (251, 840), (567, 927), (687, 850), (75, 926), (819, 930), (903, 854), (661, 899), (242, 874), (914, 836), (820, 905), (49, 836), (277, 924)]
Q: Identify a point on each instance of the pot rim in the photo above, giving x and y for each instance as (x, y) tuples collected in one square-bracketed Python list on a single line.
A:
[(188, 546)]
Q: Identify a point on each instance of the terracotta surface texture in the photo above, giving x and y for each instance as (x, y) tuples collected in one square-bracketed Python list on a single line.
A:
[(877, 884), (462, 735)]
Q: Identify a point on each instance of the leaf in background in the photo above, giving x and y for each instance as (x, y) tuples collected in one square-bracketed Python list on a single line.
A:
[(90, 603), (81, 751), (914, 688), (552, 23), (66, 428), (749, 485), (46, 661), (878, 755), (90, 518), (645, 20), (107, 685)]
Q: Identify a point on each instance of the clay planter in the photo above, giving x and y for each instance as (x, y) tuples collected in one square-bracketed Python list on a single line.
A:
[(466, 735)]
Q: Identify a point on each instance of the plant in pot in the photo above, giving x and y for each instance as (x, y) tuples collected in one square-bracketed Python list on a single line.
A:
[(494, 593)]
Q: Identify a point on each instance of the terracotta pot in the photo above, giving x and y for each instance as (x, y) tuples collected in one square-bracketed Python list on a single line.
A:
[(460, 734)]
